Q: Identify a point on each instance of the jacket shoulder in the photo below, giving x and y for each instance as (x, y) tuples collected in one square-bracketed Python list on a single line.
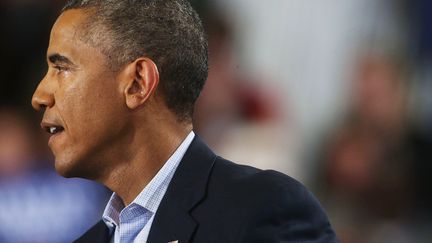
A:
[(275, 206), (264, 182)]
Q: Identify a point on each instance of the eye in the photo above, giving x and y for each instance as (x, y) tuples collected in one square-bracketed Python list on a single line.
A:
[(60, 69)]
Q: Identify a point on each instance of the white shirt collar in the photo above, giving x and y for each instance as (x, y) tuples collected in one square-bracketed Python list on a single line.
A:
[(151, 196)]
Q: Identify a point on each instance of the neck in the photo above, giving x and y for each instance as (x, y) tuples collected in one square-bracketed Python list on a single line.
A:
[(143, 157)]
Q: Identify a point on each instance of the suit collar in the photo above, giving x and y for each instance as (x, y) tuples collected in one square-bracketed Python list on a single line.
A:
[(187, 188)]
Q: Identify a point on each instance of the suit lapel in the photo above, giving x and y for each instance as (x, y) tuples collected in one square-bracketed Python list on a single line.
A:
[(99, 233), (187, 188)]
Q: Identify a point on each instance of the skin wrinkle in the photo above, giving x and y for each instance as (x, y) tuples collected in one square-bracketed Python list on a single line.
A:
[(118, 127), (125, 48)]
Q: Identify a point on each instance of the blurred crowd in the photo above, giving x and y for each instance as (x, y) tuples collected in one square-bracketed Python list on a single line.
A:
[(335, 94), (36, 204)]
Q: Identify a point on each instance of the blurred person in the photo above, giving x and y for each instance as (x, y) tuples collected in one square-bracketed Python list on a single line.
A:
[(17, 148), (118, 101), (368, 159), (234, 108), (228, 96), (36, 205)]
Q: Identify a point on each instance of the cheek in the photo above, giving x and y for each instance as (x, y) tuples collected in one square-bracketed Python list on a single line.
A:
[(90, 109), (72, 104)]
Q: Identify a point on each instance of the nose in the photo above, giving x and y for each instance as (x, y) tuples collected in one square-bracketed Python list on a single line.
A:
[(43, 96)]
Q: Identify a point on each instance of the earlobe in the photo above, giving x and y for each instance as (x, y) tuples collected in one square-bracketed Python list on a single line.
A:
[(142, 79)]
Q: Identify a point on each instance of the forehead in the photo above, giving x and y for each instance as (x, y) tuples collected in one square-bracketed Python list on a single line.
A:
[(68, 38), (67, 26)]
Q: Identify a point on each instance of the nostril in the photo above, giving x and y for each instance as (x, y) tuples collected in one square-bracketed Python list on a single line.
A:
[(42, 107), (41, 101), (38, 105)]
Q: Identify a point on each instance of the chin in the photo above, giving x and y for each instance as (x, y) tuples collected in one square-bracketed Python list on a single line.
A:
[(66, 169), (72, 169)]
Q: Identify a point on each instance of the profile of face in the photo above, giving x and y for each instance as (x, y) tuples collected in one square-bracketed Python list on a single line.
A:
[(83, 104)]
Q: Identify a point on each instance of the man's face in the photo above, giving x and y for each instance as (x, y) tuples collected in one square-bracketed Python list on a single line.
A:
[(84, 109)]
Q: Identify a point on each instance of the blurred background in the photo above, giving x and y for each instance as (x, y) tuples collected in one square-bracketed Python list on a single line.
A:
[(334, 93)]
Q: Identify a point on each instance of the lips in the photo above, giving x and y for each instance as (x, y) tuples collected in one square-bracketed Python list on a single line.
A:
[(55, 129), (52, 128)]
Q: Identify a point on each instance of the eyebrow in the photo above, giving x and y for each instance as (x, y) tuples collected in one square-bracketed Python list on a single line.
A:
[(60, 59)]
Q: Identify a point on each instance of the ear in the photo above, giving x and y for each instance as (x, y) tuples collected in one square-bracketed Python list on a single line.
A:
[(141, 79)]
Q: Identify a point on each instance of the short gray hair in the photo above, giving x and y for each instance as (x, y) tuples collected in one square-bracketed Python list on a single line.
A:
[(169, 32)]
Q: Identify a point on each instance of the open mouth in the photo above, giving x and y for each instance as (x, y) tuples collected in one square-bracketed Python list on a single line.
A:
[(54, 129)]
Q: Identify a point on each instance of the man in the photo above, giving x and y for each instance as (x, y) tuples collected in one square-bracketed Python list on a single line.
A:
[(118, 98)]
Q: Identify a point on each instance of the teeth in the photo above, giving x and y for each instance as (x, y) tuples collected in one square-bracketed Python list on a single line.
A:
[(52, 130)]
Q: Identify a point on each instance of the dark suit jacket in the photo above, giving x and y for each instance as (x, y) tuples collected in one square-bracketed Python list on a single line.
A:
[(212, 200)]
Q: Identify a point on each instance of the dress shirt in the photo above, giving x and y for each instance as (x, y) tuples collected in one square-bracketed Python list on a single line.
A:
[(133, 222)]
